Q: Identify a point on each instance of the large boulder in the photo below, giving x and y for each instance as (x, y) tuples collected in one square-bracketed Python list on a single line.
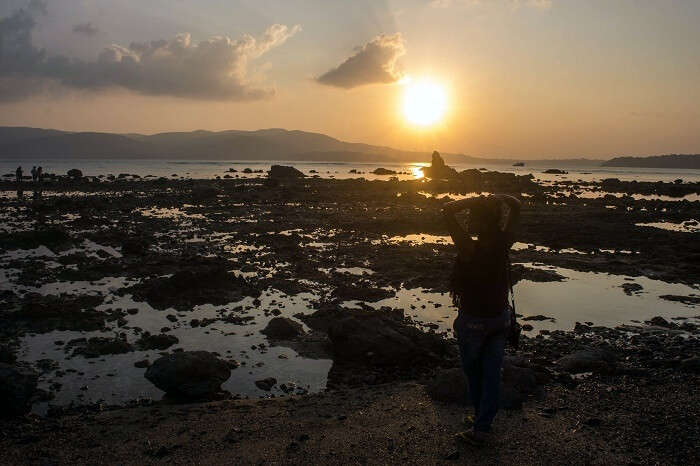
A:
[(588, 360), (189, 374), (384, 339), (517, 382), (449, 386), (282, 328), (75, 173), (282, 171), (17, 386)]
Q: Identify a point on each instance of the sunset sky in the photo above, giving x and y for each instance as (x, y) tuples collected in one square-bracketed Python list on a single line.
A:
[(527, 78)]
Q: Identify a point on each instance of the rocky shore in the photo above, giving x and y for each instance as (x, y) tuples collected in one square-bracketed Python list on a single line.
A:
[(193, 283)]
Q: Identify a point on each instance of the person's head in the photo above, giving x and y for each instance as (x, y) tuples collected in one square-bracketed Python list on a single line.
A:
[(485, 217)]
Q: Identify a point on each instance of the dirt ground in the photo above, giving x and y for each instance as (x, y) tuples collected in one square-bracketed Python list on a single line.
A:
[(388, 424)]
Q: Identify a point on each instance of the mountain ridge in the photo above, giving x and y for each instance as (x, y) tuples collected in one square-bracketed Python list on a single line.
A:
[(262, 144)]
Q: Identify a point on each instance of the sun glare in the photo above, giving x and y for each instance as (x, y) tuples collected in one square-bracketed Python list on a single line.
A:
[(424, 102)]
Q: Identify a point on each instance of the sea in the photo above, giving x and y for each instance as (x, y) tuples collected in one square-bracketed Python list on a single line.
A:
[(209, 169)]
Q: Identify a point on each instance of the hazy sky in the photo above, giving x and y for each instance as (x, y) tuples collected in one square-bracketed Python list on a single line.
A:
[(527, 78)]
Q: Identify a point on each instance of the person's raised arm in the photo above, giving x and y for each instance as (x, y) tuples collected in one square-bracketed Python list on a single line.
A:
[(512, 214), (460, 237)]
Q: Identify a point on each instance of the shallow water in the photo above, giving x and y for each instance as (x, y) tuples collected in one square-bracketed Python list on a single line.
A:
[(339, 170)]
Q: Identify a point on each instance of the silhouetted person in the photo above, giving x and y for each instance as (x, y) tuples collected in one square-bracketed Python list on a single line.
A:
[(18, 174), (40, 173), (479, 287), (34, 174)]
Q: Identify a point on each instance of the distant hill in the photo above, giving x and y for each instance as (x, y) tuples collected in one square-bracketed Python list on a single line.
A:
[(264, 144), (657, 161)]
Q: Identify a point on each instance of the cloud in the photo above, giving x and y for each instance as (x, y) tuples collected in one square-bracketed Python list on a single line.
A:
[(543, 4), (216, 68), (86, 29), (374, 62)]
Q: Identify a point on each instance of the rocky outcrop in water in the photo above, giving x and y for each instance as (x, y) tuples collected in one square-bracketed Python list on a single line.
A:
[(189, 374), (438, 169), (282, 328)]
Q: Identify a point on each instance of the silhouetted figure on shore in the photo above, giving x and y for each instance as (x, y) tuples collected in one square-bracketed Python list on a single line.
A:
[(33, 171), (18, 174), (40, 173), (479, 287)]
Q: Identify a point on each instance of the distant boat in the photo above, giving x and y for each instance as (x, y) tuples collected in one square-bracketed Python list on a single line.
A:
[(518, 164)]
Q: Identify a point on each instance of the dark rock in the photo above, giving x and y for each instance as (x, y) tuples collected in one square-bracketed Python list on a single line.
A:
[(266, 384), (156, 342), (522, 379), (555, 171), (42, 314), (17, 386), (438, 169), (282, 171), (50, 237), (204, 281), (538, 318), (190, 374), (282, 328), (449, 386), (631, 288), (588, 360), (75, 173), (659, 321), (383, 171), (690, 300), (143, 363), (99, 346), (384, 338)]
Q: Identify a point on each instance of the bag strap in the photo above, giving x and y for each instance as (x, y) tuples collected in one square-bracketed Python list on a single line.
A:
[(510, 281)]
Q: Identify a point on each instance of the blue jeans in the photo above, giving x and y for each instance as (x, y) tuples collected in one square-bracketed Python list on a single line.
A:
[(482, 346)]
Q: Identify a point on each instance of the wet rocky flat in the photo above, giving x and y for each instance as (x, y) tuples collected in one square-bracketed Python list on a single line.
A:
[(287, 281)]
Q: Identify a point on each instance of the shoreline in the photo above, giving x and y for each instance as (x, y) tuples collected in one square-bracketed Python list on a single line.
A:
[(310, 239)]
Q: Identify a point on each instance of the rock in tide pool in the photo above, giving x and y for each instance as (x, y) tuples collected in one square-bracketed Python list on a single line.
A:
[(266, 384), (189, 374), (17, 385), (384, 339), (282, 328)]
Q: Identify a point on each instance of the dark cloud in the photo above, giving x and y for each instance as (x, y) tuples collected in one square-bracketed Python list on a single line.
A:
[(216, 68), (374, 62), (85, 28)]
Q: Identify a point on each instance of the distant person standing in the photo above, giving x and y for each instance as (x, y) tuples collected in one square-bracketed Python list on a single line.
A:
[(33, 174), (18, 174), (40, 173)]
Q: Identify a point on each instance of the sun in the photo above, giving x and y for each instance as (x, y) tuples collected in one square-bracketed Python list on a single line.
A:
[(424, 102)]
